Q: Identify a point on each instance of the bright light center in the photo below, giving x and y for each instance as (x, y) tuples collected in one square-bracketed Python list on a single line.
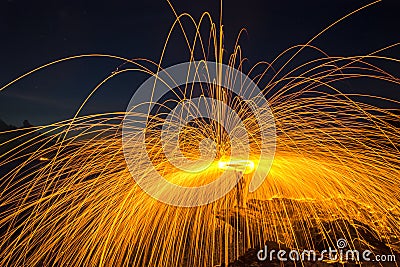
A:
[(244, 166)]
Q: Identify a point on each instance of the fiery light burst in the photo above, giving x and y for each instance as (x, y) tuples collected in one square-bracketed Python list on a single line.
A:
[(70, 200)]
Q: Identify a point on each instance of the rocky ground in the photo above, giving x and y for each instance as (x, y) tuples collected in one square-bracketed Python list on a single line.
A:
[(362, 236)]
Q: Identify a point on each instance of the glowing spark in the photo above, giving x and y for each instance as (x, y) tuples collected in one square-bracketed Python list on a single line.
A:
[(337, 160), (244, 166)]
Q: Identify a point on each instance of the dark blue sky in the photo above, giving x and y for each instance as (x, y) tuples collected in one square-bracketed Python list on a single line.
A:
[(36, 32)]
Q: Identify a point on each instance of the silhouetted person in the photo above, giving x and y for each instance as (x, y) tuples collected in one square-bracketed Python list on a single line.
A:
[(242, 189)]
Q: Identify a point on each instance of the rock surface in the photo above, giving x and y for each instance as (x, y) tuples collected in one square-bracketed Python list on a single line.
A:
[(322, 235)]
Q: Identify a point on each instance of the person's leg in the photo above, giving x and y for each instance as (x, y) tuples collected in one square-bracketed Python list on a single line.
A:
[(241, 190)]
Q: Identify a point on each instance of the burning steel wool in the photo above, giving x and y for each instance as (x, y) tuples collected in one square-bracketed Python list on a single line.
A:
[(132, 188)]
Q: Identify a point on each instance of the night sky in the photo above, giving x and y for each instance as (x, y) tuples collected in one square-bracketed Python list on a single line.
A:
[(36, 32)]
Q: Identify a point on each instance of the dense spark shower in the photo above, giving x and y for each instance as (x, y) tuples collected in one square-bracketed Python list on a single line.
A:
[(69, 198)]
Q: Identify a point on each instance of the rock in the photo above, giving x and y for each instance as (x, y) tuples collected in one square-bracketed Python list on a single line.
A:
[(323, 235)]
